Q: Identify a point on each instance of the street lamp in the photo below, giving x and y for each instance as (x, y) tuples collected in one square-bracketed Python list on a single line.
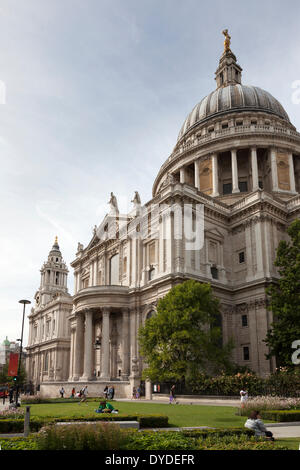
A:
[(24, 302)]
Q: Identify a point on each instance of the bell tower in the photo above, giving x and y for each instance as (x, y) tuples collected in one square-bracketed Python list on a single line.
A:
[(54, 275)]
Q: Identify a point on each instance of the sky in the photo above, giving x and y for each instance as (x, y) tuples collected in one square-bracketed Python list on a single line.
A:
[(93, 95)]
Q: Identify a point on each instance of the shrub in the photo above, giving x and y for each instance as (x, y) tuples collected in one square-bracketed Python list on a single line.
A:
[(227, 385), (283, 416), (13, 426), (149, 440), (232, 442), (10, 425), (153, 421), (218, 433), (98, 436), (37, 400), (19, 443)]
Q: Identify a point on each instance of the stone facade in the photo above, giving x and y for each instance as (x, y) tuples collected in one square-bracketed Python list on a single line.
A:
[(236, 166)]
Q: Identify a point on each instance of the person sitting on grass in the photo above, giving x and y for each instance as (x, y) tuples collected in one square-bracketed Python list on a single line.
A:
[(255, 423), (106, 407)]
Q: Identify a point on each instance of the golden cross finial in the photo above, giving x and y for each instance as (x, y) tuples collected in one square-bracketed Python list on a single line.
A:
[(56, 241), (227, 40)]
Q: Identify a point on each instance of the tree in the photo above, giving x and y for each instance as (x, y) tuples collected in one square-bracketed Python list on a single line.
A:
[(184, 337), (284, 300), (6, 379)]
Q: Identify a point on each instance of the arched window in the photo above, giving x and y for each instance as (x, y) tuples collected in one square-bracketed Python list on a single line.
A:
[(114, 267), (150, 314)]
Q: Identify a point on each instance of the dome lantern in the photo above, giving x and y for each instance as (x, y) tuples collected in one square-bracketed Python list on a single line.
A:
[(229, 71)]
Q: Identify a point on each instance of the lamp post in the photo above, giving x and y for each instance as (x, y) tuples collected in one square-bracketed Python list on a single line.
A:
[(24, 302)]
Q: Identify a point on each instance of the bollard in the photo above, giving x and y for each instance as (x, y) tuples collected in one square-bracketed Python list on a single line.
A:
[(27, 421)]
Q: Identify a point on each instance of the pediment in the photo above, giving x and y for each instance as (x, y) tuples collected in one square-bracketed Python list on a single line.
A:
[(214, 233)]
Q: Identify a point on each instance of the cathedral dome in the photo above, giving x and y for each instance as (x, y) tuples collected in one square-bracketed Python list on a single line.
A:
[(234, 97)]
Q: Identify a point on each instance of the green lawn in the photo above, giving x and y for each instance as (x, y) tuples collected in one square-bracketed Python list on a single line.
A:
[(179, 415)]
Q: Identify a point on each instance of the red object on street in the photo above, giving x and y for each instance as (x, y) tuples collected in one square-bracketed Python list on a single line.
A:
[(13, 364)]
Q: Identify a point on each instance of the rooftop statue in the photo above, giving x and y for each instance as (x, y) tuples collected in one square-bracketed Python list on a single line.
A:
[(136, 200), (113, 203), (227, 40)]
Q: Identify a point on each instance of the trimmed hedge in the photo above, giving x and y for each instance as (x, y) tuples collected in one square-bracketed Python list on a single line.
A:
[(281, 416), (17, 425), (204, 433), (35, 400), (111, 438)]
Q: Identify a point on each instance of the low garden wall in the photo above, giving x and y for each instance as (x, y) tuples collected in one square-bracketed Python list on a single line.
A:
[(95, 388)]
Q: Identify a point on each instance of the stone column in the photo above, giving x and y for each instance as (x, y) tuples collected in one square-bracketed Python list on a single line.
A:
[(234, 170), (197, 174), (88, 347), (215, 175), (274, 169), (254, 167), (133, 341), (126, 351), (182, 175), (78, 346), (292, 174), (259, 249), (105, 373)]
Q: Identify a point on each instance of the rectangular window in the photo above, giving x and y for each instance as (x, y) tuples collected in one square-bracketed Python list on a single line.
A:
[(114, 270), (214, 272), (243, 186), (239, 123), (244, 320), (227, 188), (242, 257), (246, 353), (261, 184), (225, 126)]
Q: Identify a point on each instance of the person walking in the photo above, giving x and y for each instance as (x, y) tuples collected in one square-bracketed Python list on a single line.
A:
[(84, 394), (73, 392), (62, 391), (11, 395), (110, 393), (172, 395), (133, 393), (4, 396), (105, 391), (244, 397)]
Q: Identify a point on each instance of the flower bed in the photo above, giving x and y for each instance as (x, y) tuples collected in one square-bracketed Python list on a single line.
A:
[(13, 413), (269, 403)]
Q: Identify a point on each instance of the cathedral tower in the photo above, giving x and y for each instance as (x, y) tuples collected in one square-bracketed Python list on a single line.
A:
[(54, 275)]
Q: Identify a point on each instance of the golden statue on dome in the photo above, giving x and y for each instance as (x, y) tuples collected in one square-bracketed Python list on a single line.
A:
[(227, 40)]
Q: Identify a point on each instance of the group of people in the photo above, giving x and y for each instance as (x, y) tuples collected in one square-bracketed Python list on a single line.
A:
[(82, 393), (109, 392), (136, 393), (8, 393)]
